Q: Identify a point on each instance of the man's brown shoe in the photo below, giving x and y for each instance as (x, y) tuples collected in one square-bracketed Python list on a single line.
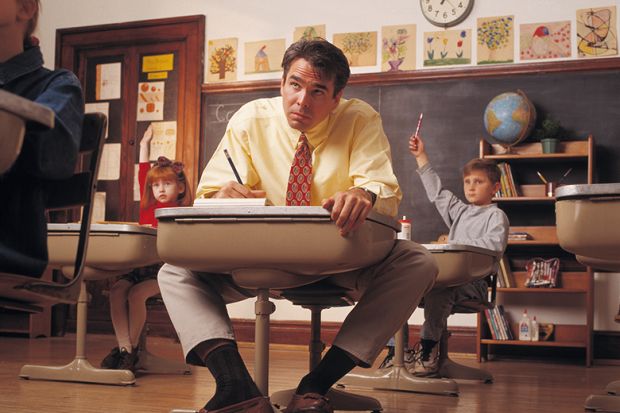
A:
[(309, 403), (258, 404)]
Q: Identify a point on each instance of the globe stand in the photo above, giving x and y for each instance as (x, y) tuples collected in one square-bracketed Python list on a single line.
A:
[(507, 149)]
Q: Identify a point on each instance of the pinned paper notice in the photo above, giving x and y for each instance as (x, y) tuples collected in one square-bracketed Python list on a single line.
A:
[(110, 164), (136, 183), (108, 84), (158, 63), (150, 101), (103, 107), (99, 207), (164, 142)]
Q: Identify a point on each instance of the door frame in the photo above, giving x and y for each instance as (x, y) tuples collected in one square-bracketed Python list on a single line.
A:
[(70, 42)]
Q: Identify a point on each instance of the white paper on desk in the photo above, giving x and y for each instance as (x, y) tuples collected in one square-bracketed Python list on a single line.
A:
[(164, 142), (218, 202), (108, 84), (110, 164), (150, 101), (103, 107)]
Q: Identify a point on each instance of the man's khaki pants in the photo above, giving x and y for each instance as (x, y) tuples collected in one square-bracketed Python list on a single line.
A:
[(386, 295)]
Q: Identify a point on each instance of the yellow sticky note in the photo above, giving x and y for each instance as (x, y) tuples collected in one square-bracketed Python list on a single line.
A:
[(157, 75), (158, 63)]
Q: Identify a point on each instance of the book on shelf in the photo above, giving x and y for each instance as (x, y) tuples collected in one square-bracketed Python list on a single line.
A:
[(505, 273), (505, 322), (508, 188), (219, 202), (498, 325), (491, 323)]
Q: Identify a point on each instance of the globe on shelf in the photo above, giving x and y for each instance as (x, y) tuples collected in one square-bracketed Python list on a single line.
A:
[(509, 118)]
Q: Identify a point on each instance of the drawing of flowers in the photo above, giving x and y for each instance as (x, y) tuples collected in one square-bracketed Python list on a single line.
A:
[(448, 47), (443, 53), (395, 48), (431, 52), (459, 44)]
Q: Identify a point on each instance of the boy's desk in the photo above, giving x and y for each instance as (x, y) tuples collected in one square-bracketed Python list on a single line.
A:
[(460, 264), (15, 111)]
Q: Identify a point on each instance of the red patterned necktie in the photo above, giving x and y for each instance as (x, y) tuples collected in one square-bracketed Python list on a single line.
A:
[(300, 178)]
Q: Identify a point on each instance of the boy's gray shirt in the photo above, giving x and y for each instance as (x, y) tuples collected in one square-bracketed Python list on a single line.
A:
[(480, 226)]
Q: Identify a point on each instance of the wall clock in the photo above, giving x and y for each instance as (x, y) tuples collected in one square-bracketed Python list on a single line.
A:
[(446, 13)]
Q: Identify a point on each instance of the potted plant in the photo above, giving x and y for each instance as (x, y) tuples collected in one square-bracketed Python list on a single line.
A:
[(549, 134)]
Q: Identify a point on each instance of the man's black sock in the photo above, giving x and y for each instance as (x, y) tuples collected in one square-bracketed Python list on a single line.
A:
[(233, 381), (332, 368)]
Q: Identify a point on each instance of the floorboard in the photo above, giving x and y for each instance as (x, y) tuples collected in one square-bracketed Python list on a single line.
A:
[(520, 386)]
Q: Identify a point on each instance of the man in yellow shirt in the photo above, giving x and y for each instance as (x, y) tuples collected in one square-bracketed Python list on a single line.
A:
[(350, 173)]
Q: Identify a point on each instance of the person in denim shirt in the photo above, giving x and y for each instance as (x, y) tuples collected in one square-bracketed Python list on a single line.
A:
[(47, 154)]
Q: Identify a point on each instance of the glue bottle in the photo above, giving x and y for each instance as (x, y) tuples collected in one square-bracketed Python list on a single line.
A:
[(405, 229), (534, 329), (525, 327)]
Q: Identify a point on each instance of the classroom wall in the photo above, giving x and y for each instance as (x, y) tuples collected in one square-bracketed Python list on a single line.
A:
[(274, 19)]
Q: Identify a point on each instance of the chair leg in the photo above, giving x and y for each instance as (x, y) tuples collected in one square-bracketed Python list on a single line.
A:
[(397, 377), (263, 309), (79, 370), (452, 370), (150, 363), (339, 400)]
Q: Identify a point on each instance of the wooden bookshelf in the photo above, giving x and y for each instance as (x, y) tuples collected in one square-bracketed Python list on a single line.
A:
[(534, 206)]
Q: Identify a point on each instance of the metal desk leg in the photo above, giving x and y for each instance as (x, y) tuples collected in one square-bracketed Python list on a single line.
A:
[(398, 378), (79, 370)]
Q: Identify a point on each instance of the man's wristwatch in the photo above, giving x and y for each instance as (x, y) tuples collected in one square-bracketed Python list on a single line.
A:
[(373, 196)]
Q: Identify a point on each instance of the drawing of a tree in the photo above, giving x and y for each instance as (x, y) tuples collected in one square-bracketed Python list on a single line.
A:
[(356, 44), (223, 60), (309, 33), (495, 34)]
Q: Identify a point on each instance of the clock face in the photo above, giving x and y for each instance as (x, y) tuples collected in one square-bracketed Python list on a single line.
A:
[(446, 13)]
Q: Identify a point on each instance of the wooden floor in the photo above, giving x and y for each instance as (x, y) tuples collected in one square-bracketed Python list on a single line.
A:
[(520, 386)]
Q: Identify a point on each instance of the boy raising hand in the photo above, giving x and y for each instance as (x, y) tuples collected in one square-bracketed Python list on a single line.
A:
[(478, 222)]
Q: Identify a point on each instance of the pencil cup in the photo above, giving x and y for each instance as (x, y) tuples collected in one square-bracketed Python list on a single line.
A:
[(550, 188)]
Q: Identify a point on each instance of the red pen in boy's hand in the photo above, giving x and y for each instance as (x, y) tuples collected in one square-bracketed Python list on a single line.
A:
[(413, 141), (417, 129)]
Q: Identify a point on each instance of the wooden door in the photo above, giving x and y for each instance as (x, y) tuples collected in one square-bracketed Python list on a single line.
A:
[(163, 57)]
